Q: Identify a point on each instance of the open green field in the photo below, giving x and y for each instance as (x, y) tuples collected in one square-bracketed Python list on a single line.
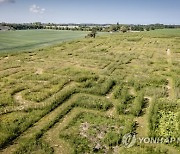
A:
[(83, 96), (30, 39)]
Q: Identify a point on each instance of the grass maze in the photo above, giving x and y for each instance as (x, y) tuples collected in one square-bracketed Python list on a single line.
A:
[(83, 96)]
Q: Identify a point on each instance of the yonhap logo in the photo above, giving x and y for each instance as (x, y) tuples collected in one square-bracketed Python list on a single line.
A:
[(129, 140)]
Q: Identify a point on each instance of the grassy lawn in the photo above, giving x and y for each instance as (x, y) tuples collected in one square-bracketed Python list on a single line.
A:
[(30, 39), (84, 95)]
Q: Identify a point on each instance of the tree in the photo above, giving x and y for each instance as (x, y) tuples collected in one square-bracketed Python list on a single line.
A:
[(113, 28), (124, 29), (152, 28), (148, 28), (93, 33)]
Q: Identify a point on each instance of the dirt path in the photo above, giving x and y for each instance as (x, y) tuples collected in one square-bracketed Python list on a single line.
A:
[(39, 71), (168, 52), (169, 58), (171, 93), (112, 112), (19, 99)]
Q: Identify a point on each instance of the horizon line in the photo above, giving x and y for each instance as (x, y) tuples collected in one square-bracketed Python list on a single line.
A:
[(86, 23)]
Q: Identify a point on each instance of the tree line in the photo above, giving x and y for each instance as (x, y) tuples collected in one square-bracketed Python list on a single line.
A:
[(88, 27)]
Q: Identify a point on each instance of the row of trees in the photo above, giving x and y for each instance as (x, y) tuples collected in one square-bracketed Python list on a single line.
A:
[(104, 28), (14, 26), (125, 28)]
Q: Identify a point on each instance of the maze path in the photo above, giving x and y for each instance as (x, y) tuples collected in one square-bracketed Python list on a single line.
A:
[(112, 112), (170, 87), (7, 73), (52, 135), (25, 105), (43, 124), (142, 121), (37, 128), (112, 63)]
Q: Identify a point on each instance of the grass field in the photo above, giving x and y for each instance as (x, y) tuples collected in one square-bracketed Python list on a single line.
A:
[(83, 96), (30, 39)]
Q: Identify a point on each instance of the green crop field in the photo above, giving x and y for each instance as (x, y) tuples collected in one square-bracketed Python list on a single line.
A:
[(30, 39), (83, 96)]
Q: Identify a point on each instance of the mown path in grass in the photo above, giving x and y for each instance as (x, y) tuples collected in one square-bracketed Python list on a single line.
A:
[(52, 135), (100, 70), (48, 121), (26, 104), (112, 112), (38, 126), (171, 93), (142, 121), (142, 129), (170, 87), (171, 96)]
